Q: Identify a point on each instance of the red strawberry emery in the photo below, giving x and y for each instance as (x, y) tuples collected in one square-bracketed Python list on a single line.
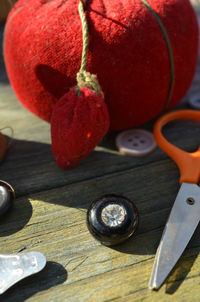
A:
[(78, 123), (80, 118)]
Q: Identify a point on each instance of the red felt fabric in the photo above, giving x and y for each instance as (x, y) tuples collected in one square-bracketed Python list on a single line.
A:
[(127, 50), (77, 126)]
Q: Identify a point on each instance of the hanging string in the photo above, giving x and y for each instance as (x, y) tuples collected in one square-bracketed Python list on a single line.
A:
[(84, 78)]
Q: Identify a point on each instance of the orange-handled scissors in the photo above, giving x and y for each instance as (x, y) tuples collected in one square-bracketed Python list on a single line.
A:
[(185, 213)]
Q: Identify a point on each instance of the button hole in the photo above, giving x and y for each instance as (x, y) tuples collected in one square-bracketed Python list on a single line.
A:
[(190, 200)]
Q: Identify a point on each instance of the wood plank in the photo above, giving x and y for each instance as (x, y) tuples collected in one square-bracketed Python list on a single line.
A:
[(94, 272)]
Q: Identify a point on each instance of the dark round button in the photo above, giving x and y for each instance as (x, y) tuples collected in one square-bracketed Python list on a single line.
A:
[(112, 219), (7, 196)]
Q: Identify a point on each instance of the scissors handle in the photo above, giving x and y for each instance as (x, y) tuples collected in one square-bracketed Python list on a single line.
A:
[(188, 163)]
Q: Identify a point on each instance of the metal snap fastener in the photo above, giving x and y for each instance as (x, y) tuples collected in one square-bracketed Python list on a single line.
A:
[(17, 267), (135, 142), (112, 219), (194, 101), (7, 196)]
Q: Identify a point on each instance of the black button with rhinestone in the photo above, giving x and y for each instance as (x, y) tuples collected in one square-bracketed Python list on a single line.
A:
[(112, 219)]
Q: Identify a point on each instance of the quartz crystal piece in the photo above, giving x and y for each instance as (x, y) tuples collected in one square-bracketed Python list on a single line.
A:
[(113, 215)]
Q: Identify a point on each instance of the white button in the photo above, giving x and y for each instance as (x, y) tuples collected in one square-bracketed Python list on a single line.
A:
[(135, 142), (194, 101)]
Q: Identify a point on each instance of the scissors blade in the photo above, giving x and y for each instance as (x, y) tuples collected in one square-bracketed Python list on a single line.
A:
[(181, 224)]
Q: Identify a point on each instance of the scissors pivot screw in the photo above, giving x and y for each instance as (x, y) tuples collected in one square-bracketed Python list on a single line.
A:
[(190, 200)]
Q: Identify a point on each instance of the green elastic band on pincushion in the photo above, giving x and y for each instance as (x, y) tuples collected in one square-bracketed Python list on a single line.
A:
[(86, 79), (170, 51)]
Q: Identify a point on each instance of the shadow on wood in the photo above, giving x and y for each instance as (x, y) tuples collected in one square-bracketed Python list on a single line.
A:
[(53, 274), (181, 270), (16, 218)]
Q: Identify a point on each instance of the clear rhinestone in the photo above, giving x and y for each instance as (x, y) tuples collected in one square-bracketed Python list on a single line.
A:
[(113, 215)]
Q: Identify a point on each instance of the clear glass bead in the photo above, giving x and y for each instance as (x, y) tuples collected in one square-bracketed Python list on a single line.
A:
[(113, 215)]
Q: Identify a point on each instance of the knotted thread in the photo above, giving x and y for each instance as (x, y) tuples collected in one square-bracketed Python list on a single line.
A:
[(84, 78)]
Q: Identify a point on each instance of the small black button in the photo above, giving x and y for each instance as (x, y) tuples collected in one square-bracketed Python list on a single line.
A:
[(7, 196), (112, 219)]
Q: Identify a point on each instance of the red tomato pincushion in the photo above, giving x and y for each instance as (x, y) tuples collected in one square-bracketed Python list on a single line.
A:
[(143, 52), (127, 50)]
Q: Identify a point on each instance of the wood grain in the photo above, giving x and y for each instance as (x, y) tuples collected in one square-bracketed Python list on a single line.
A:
[(49, 214)]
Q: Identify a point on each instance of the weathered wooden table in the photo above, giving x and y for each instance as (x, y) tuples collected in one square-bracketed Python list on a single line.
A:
[(49, 214)]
